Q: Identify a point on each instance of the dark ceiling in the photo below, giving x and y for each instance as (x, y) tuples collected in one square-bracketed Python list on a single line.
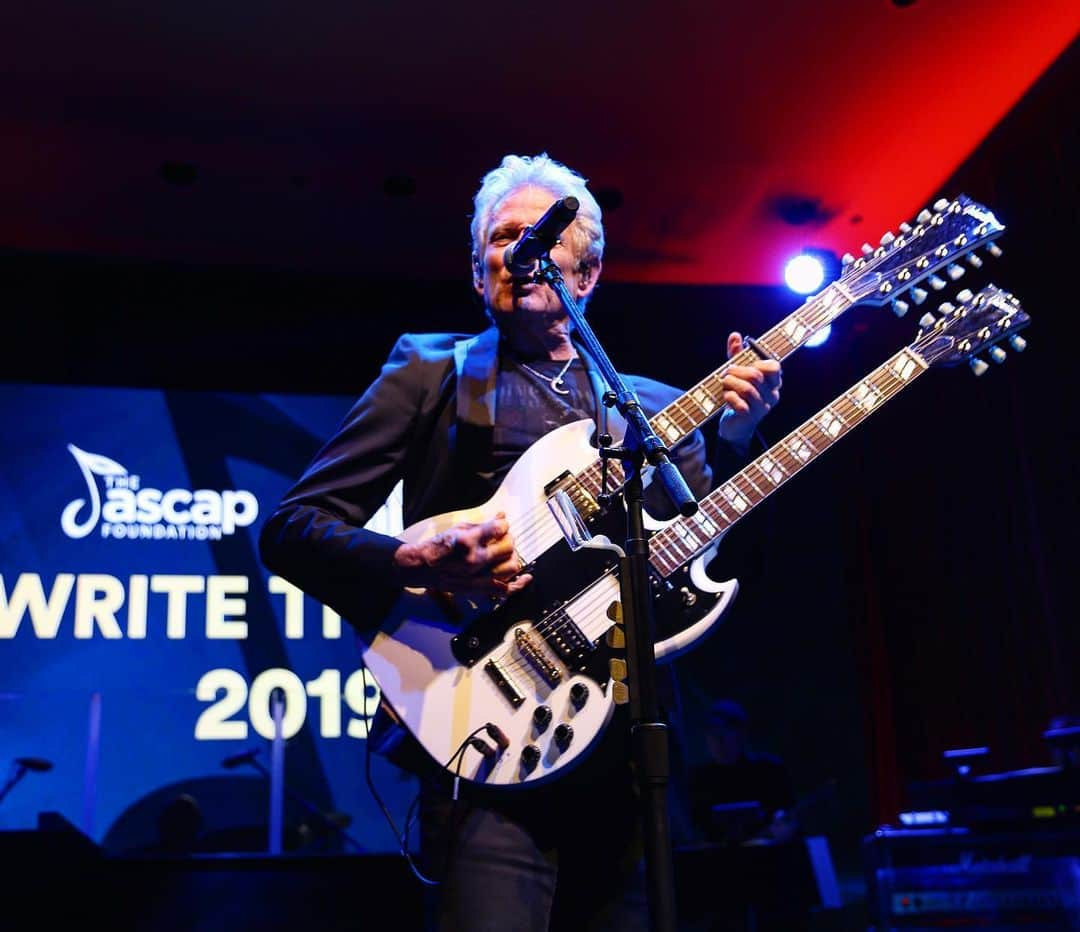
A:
[(720, 137)]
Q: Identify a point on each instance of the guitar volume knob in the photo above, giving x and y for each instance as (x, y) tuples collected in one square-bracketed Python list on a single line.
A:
[(530, 757), (564, 734), (542, 717), (579, 694)]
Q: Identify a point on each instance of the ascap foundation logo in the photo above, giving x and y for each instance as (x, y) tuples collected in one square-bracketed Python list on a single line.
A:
[(119, 506)]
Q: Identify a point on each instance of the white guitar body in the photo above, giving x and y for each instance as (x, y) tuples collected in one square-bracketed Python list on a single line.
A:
[(518, 680)]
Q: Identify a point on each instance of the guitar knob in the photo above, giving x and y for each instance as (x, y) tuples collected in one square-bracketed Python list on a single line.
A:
[(530, 757), (995, 250), (924, 216), (974, 261), (997, 354), (964, 296), (978, 366), (564, 734), (867, 249), (954, 271), (941, 203), (927, 321), (936, 282), (579, 695), (541, 717), (846, 259), (905, 227), (900, 308), (918, 295), (1018, 342)]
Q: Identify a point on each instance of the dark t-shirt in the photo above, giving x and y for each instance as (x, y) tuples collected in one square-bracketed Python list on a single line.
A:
[(527, 408)]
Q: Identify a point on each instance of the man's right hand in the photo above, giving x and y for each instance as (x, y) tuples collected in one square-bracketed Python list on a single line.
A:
[(468, 557)]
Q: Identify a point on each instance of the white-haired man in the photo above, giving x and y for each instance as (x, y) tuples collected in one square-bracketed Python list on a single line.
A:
[(449, 415)]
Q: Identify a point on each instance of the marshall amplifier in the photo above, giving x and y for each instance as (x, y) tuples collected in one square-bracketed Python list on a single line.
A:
[(950, 878)]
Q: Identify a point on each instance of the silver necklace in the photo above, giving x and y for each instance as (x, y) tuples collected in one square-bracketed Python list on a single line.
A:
[(555, 381)]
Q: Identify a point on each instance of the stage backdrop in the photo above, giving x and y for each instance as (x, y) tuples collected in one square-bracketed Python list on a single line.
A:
[(141, 639)]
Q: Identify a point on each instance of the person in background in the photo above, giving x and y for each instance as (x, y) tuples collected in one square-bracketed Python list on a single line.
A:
[(739, 795)]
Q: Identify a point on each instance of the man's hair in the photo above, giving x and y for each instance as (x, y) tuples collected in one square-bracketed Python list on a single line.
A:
[(541, 171)]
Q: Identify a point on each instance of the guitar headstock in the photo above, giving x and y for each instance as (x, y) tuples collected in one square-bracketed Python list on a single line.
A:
[(936, 242), (977, 324)]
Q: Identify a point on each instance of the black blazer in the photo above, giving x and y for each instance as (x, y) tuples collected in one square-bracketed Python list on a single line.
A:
[(430, 410)]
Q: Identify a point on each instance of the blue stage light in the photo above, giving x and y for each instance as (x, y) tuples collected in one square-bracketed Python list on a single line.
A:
[(819, 336), (804, 273)]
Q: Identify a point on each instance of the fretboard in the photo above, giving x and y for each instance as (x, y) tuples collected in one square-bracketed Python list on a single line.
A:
[(683, 539), (706, 399)]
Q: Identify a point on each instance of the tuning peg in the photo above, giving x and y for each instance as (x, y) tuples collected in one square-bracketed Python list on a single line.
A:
[(978, 366), (1018, 342), (974, 261), (846, 259), (867, 249), (927, 321), (886, 238), (995, 250), (941, 203), (918, 295), (936, 283), (946, 308), (964, 296), (924, 216), (905, 227), (900, 308), (997, 354), (954, 271)]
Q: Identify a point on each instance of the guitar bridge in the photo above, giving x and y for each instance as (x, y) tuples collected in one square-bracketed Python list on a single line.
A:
[(534, 653), (506, 687)]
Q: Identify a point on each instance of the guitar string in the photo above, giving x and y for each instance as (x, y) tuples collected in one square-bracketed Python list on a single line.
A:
[(851, 415), (542, 510), (529, 529), (884, 382), (537, 516), (541, 518)]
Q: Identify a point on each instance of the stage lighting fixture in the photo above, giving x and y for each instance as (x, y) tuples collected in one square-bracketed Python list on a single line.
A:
[(804, 273), (819, 336)]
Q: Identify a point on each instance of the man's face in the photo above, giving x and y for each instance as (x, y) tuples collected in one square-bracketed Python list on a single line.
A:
[(515, 297)]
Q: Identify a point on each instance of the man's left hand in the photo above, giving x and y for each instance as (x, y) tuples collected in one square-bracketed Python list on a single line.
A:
[(750, 393)]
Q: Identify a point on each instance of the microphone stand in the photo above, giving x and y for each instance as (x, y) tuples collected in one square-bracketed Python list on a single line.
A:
[(20, 772), (648, 733), (325, 821)]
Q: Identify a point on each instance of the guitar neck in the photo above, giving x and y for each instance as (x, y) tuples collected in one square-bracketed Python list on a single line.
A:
[(683, 539), (706, 399)]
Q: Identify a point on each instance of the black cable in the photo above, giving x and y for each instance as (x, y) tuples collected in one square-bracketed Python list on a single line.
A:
[(402, 836)]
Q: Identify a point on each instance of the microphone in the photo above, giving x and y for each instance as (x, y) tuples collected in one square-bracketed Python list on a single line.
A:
[(244, 757), (520, 257), (37, 764)]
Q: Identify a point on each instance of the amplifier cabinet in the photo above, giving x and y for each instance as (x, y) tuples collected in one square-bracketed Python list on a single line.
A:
[(930, 879)]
